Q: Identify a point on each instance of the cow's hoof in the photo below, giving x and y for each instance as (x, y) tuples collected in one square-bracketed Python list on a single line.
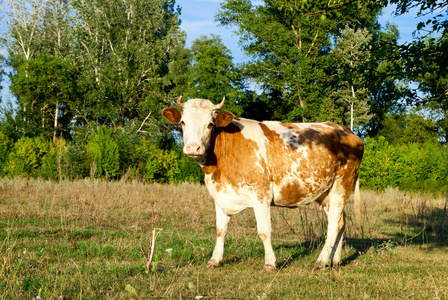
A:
[(269, 268), (211, 265), (316, 268)]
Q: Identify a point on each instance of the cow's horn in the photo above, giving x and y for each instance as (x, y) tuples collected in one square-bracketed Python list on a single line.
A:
[(179, 103), (220, 105)]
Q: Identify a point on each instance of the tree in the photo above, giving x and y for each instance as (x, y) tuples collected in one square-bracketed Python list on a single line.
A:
[(386, 77), (289, 42), (125, 49), (351, 54), (38, 45), (43, 83), (425, 57), (408, 128), (430, 70), (213, 74), (24, 19)]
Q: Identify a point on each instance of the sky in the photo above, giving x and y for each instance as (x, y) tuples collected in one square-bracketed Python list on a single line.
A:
[(197, 19)]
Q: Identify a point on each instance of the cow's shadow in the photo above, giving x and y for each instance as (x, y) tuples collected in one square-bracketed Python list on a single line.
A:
[(360, 247)]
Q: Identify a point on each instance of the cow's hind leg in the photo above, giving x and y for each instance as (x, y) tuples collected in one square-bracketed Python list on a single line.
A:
[(335, 231), (263, 216), (222, 220)]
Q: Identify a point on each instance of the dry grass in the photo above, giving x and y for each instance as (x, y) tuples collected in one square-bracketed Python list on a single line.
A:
[(90, 239)]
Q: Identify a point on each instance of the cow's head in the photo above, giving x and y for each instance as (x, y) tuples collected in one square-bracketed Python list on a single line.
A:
[(198, 119)]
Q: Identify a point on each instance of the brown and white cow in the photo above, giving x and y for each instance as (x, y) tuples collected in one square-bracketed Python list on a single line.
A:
[(256, 164)]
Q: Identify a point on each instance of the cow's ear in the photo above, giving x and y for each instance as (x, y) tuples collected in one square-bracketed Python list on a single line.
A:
[(172, 114), (224, 118)]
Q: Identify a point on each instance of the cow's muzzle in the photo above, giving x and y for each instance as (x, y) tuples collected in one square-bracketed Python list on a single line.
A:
[(193, 150)]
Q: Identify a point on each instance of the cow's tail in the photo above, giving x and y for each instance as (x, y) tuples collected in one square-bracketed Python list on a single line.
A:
[(357, 198)]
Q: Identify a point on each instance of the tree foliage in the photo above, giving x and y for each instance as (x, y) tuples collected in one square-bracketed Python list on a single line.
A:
[(79, 61), (351, 55), (410, 166), (288, 42), (213, 74)]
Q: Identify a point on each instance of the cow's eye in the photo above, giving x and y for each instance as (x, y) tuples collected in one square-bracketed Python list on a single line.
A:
[(182, 123), (210, 126)]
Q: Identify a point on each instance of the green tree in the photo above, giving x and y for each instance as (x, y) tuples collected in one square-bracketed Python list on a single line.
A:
[(126, 50), (27, 156), (409, 128), (43, 84), (430, 70), (425, 7), (425, 57), (5, 148), (213, 74), (351, 54), (38, 43), (386, 78), (288, 42)]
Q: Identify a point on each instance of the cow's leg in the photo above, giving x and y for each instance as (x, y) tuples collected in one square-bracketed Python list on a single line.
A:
[(263, 217), (336, 254), (333, 243), (222, 220)]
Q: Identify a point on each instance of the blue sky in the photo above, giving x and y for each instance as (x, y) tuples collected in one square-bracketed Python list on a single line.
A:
[(197, 19)]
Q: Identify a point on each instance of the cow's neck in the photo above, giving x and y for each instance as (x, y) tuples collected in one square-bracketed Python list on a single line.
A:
[(220, 146)]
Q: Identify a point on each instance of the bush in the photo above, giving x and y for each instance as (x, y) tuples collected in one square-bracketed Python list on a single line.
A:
[(5, 148), (376, 164), (409, 167), (53, 161), (27, 156), (102, 151), (161, 165)]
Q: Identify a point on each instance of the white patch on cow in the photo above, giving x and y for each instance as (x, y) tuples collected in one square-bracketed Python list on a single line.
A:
[(229, 198), (251, 130)]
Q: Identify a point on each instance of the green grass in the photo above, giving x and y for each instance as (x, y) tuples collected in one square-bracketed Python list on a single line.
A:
[(91, 240)]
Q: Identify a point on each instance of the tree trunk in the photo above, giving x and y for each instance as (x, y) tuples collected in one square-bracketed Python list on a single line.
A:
[(56, 114), (351, 108)]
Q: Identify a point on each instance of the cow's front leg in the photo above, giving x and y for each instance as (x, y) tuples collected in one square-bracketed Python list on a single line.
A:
[(263, 216), (222, 220)]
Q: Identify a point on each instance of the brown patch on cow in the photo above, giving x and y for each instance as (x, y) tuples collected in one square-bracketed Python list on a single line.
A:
[(291, 195), (232, 160)]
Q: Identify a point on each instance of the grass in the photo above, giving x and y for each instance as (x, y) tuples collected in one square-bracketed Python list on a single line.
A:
[(90, 239)]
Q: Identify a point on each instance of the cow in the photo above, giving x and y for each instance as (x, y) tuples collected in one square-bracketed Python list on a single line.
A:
[(254, 164)]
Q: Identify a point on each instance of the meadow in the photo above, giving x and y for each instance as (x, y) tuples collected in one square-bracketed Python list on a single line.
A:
[(91, 239)]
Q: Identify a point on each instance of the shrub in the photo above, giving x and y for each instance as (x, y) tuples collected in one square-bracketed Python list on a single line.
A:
[(53, 161), (102, 151), (376, 164), (27, 156), (409, 167), (161, 165), (5, 148)]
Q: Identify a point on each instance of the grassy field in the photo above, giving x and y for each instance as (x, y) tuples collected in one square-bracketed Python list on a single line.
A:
[(91, 240)]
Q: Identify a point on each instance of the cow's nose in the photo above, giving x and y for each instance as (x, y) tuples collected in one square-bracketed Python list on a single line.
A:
[(192, 149)]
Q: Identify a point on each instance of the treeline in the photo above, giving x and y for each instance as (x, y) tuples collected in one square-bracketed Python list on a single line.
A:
[(89, 79), (114, 155), (100, 152)]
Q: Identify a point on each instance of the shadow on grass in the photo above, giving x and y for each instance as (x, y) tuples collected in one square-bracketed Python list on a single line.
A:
[(426, 226)]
